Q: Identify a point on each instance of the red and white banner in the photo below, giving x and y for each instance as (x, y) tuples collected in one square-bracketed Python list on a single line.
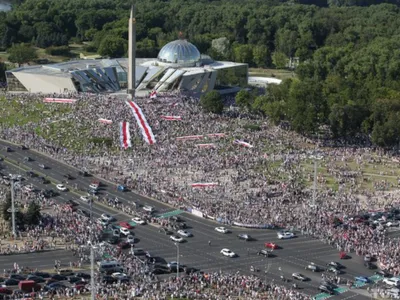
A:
[(125, 136), (153, 94), (204, 185), (216, 134), (197, 213), (59, 100), (105, 121), (205, 145), (172, 118), (242, 143), (190, 137), (142, 122)]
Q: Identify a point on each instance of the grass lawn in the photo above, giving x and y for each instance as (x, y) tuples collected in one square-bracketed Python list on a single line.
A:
[(277, 73)]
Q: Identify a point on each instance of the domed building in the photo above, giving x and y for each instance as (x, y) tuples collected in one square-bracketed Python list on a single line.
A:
[(179, 66)]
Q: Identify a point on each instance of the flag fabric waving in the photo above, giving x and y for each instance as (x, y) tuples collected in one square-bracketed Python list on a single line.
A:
[(204, 184), (105, 121), (153, 94), (142, 123), (58, 100), (125, 136), (242, 143), (172, 118)]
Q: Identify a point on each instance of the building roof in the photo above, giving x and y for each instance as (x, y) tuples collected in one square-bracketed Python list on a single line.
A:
[(180, 53)]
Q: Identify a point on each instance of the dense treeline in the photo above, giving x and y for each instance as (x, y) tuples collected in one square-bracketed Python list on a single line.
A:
[(349, 50)]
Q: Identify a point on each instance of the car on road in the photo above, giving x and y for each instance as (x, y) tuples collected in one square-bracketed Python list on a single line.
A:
[(362, 279), (102, 222), (160, 271), (119, 275), (176, 238), (184, 233), (43, 180), (74, 279), (244, 236), (61, 187), (313, 267), (299, 276), (172, 263), (23, 147), (18, 276), (8, 149), (367, 258), (334, 270), (221, 229), (94, 186), (394, 281), (285, 235), (227, 252), (10, 282), (138, 220), (31, 174), (124, 231), (42, 166), (85, 199), (113, 240), (41, 274), (36, 279), (383, 273), (126, 225), (369, 265), (270, 245), (264, 252), (4, 291), (91, 192), (165, 230), (335, 265), (130, 239), (83, 173), (138, 252), (68, 176), (326, 289), (49, 193), (148, 208), (72, 202), (27, 158), (107, 217)]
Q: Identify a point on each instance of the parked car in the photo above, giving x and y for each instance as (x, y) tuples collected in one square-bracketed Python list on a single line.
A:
[(244, 236)]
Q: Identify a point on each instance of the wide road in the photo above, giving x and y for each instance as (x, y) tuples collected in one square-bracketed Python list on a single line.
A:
[(292, 256)]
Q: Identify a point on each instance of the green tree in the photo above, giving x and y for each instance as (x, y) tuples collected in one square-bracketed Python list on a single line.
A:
[(261, 56), (280, 60), (32, 215), (112, 46), (21, 53), (244, 99), (212, 102), (243, 53)]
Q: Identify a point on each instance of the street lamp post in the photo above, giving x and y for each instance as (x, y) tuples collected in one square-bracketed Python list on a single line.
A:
[(177, 260), (92, 283), (13, 210), (316, 157)]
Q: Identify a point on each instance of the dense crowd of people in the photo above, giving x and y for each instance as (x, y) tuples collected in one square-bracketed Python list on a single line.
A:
[(258, 185)]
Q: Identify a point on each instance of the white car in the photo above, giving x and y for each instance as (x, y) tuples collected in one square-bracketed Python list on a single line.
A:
[(148, 208), (61, 187), (124, 231), (94, 186), (106, 217), (102, 222), (185, 233), (130, 239), (221, 229), (394, 281), (285, 235), (227, 252), (85, 198), (176, 238), (138, 220), (119, 275)]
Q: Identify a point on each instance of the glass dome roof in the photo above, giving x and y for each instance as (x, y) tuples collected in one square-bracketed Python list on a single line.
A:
[(179, 52)]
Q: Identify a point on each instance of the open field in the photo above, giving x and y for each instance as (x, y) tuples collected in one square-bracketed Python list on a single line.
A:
[(280, 74)]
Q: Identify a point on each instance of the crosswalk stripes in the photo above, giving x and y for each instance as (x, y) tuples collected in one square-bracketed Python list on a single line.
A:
[(341, 290), (170, 214)]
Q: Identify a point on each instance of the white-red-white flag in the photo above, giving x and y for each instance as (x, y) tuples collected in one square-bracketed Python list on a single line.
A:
[(172, 118), (105, 121), (153, 94), (125, 136), (204, 184), (242, 143), (59, 100)]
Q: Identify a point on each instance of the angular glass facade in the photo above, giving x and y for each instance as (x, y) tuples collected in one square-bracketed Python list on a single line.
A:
[(232, 76)]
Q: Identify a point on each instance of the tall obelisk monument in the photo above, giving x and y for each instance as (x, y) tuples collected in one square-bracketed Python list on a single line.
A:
[(132, 53)]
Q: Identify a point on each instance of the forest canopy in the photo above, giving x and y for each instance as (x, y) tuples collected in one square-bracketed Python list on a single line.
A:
[(349, 50)]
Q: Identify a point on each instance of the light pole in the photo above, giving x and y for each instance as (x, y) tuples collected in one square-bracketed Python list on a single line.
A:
[(13, 210), (177, 260), (316, 157)]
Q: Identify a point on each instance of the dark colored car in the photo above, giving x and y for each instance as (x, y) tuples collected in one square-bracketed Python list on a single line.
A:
[(72, 203), (264, 252), (138, 252), (114, 240), (108, 279), (326, 289), (68, 176), (83, 275), (83, 173), (74, 279), (11, 282), (165, 230), (7, 149), (50, 193), (36, 279), (27, 158), (31, 174), (42, 274), (369, 265), (5, 291), (58, 277), (54, 286), (383, 273), (83, 212), (18, 276), (43, 180)]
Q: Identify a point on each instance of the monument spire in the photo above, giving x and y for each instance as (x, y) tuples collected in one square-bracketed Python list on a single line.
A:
[(132, 53)]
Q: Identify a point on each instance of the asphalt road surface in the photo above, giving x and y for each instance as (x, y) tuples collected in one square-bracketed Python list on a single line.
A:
[(293, 255)]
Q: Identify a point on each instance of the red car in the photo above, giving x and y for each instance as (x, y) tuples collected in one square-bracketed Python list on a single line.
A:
[(126, 225), (343, 255), (272, 246), (5, 291)]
